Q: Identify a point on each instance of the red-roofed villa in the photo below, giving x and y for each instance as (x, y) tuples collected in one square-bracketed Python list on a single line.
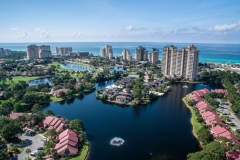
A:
[(67, 143), (51, 122), (16, 115), (233, 155)]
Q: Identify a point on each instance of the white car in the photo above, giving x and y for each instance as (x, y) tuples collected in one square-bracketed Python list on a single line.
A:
[(34, 153)]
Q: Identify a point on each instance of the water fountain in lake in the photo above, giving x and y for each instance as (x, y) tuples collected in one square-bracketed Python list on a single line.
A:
[(116, 141)]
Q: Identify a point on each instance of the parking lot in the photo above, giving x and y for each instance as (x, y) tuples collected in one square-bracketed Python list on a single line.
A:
[(224, 109), (32, 142)]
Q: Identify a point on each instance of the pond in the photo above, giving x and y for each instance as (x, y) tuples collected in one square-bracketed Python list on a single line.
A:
[(117, 69), (158, 130), (39, 81), (75, 67)]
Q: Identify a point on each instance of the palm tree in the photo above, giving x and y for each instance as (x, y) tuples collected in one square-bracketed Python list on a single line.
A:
[(28, 150), (49, 147), (51, 133)]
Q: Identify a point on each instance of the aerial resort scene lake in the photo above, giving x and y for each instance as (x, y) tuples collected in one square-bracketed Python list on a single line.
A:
[(112, 80)]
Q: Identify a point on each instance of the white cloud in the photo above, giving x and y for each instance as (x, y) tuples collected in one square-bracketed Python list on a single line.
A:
[(43, 32), (128, 28), (14, 28), (24, 35), (76, 34), (131, 28), (110, 35), (226, 27), (37, 29)]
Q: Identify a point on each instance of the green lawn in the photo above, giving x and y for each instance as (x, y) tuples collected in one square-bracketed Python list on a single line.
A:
[(56, 99), (20, 149), (196, 125), (3, 101), (22, 78), (83, 154)]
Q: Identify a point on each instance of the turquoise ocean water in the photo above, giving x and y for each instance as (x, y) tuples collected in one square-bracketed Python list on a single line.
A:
[(217, 53)]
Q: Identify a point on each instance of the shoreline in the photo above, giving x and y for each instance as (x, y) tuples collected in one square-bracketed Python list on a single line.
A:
[(195, 124), (191, 82), (88, 152)]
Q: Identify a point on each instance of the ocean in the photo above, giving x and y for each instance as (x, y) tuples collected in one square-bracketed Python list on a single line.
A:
[(217, 53)]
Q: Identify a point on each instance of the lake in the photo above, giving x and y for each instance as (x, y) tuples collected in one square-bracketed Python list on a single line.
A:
[(75, 67), (158, 130), (39, 81)]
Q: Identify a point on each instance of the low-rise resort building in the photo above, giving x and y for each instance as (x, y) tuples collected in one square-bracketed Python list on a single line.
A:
[(211, 119)]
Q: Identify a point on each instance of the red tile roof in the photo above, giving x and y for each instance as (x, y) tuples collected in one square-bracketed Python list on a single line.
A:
[(195, 97), (67, 147), (68, 139), (53, 122), (221, 91), (1, 93), (233, 155), (16, 115), (59, 127), (56, 93), (217, 130), (202, 92)]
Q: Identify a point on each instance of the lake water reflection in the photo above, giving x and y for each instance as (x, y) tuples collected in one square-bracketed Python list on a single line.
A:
[(159, 130), (39, 81), (76, 67)]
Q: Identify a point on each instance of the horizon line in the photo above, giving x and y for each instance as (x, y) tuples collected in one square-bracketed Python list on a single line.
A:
[(125, 42)]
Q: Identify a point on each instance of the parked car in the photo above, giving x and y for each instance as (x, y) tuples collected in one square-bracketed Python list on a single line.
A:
[(40, 148), (34, 153), (44, 139)]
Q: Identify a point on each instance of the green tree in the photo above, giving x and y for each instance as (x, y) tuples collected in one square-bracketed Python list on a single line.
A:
[(62, 94), (192, 102), (10, 130), (18, 107), (4, 155), (51, 133), (80, 88), (204, 135), (211, 151), (28, 151), (40, 155), (36, 108), (104, 97), (49, 113), (69, 93), (49, 147), (76, 125)]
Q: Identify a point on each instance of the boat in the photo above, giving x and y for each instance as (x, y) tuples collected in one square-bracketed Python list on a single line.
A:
[(105, 81), (185, 86)]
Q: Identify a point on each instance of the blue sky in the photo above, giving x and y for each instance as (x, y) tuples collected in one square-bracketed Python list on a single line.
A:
[(120, 20)]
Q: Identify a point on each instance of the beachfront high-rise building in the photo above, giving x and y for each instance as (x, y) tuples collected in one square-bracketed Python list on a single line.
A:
[(34, 51), (153, 57), (180, 62), (4, 52), (63, 51), (141, 53), (126, 54), (44, 53), (106, 52)]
